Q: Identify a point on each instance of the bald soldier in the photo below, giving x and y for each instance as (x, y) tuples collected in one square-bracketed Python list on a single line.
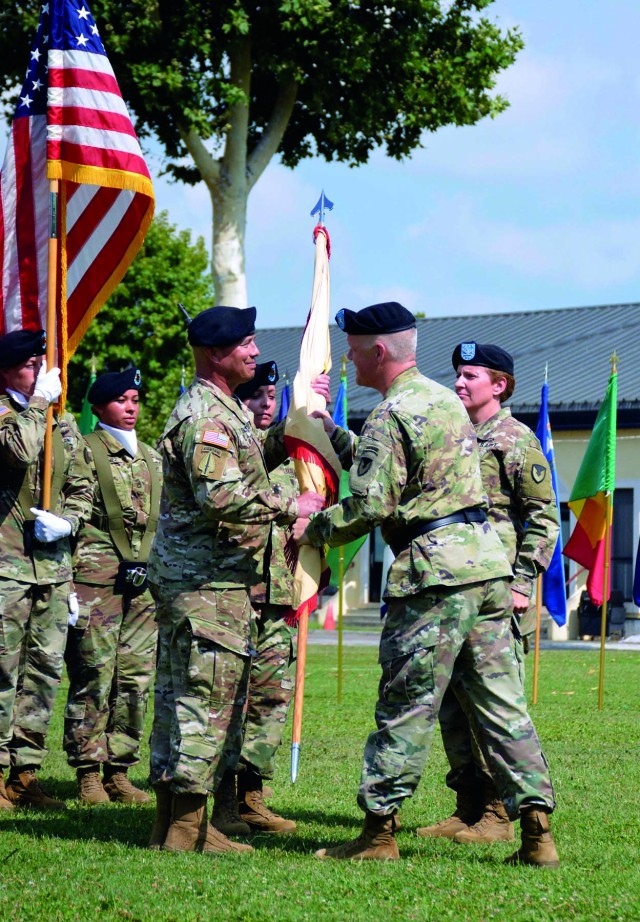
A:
[(416, 474), (111, 648), (523, 510), (211, 547), (35, 559)]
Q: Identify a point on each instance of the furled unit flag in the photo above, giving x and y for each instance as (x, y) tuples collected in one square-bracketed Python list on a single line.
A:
[(592, 496), (71, 125), (554, 595)]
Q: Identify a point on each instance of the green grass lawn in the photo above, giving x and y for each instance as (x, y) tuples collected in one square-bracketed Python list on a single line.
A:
[(91, 862)]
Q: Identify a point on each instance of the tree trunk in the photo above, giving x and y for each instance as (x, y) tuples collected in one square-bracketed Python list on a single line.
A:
[(231, 178), (229, 224)]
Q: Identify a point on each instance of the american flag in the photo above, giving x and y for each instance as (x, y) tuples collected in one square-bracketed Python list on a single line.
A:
[(71, 124)]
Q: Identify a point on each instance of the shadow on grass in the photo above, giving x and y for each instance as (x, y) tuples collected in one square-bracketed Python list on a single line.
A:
[(124, 823)]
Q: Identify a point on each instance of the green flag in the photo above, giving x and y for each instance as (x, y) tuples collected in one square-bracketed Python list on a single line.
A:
[(87, 421), (349, 550)]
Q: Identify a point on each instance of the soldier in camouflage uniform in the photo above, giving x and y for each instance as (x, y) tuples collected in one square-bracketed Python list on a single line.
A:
[(522, 509), (210, 549), (110, 652), (35, 560), (272, 675), (416, 474)]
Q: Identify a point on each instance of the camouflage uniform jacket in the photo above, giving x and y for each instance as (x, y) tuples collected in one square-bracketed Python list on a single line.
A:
[(279, 584), (96, 559), (21, 448), (416, 460), (217, 499), (522, 506)]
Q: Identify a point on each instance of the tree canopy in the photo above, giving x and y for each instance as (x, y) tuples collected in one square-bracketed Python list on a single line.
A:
[(225, 85), (142, 325)]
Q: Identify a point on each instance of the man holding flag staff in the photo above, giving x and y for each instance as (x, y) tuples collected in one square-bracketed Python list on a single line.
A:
[(522, 509), (35, 559), (211, 547), (416, 474)]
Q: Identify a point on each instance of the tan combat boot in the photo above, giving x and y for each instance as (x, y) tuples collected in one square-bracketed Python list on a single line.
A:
[(468, 811), (24, 790), (188, 825), (259, 817), (216, 843), (493, 826), (90, 790), (5, 803), (225, 816), (538, 847), (120, 789), (190, 832), (162, 820), (376, 842)]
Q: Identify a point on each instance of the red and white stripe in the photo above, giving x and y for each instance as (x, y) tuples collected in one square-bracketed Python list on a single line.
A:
[(87, 141)]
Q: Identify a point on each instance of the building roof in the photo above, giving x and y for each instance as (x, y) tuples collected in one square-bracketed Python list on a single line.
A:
[(576, 344)]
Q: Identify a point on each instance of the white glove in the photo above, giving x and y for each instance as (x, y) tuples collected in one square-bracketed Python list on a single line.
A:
[(48, 384), (74, 609), (50, 527)]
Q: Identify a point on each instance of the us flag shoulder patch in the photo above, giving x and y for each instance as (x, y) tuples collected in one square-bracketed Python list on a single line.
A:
[(211, 437), (4, 410)]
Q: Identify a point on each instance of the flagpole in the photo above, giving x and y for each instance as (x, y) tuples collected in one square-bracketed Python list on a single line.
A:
[(606, 573), (536, 648), (340, 621), (320, 301), (605, 600), (52, 287)]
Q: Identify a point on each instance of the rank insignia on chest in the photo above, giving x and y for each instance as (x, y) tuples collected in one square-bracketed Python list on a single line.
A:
[(538, 473), (211, 437)]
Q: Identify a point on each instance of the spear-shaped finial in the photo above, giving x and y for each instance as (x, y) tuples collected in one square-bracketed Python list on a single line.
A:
[(323, 204), (343, 366), (614, 363), (185, 314)]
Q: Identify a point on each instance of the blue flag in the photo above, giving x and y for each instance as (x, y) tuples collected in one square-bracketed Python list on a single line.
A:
[(285, 400), (182, 387), (636, 579), (340, 409), (553, 587)]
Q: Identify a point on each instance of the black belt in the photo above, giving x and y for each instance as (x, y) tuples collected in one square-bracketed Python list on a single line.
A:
[(407, 535)]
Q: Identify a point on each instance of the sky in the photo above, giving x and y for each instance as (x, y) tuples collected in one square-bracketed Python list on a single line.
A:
[(536, 209)]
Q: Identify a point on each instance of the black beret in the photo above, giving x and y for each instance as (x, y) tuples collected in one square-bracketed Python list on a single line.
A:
[(19, 346), (266, 374), (389, 317), (487, 355), (222, 326), (114, 384)]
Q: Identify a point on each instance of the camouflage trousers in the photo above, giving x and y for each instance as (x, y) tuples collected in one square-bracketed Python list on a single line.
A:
[(463, 637), (271, 683), (462, 739), (33, 630), (110, 660), (200, 692)]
